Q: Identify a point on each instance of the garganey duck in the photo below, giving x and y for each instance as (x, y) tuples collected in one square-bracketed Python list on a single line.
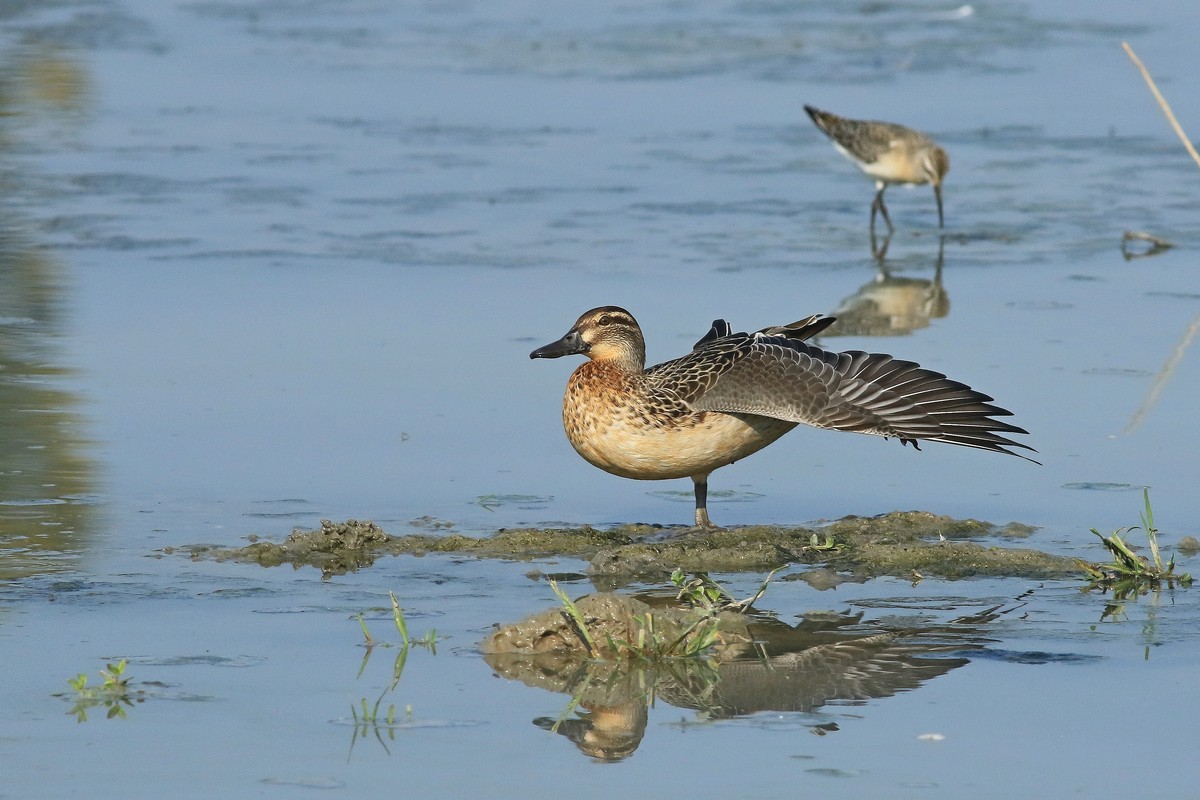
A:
[(887, 152), (735, 393)]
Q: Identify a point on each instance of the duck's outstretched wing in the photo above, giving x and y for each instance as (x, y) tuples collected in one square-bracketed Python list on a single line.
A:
[(690, 377), (801, 329), (775, 373)]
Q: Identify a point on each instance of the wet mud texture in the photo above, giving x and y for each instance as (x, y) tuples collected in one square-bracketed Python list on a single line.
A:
[(610, 619), (902, 543)]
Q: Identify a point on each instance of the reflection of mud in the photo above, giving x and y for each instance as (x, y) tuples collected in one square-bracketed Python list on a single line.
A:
[(899, 543), (761, 664)]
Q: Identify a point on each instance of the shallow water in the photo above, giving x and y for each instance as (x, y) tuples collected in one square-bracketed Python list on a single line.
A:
[(266, 265)]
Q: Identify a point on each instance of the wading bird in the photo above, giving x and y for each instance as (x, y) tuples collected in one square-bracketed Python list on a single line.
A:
[(887, 152)]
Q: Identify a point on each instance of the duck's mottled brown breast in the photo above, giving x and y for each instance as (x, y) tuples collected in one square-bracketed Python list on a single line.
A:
[(623, 425)]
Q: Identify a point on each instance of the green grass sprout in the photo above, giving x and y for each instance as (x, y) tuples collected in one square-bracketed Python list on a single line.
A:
[(1131, 574), (575, 617)]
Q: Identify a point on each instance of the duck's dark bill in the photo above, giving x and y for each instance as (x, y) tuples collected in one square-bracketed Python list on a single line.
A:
[(569, 345)]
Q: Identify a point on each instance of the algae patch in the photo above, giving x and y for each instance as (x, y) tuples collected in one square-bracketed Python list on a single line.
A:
[(339, 547), (906, 542), (901, 543)]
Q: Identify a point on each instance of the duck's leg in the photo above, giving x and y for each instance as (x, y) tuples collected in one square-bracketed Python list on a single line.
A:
[(702, 520), (877, 206)]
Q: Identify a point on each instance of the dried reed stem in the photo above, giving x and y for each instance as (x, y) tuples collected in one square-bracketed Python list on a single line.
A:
[(1162, 102)]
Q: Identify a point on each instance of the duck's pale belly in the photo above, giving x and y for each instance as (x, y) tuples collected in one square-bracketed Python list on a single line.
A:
[(625, 442)]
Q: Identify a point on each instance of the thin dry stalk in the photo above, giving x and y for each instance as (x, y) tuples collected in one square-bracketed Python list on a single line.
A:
[(1162, 102)]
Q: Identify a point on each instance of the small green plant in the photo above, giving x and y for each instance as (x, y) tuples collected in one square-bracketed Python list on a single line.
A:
[(700, 591), (114, 693), (697, 639), (821, 544), (575, 617), (366, 716), (649, 640), (651, 645), (398, 618), (428, 639), (703, 592), (1130, 574)]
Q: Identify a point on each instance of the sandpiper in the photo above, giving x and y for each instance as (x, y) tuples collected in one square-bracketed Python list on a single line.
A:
[(735, 393), (887, 152)]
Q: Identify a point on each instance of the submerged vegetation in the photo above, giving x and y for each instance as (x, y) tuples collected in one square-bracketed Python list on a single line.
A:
[(1130, 574)]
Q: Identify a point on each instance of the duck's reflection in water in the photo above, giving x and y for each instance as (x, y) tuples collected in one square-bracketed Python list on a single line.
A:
[(604, 732), (761, 664)]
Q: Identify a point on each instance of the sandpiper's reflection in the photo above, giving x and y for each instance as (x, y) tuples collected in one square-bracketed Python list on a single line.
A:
[(766, 665), (890, 305)]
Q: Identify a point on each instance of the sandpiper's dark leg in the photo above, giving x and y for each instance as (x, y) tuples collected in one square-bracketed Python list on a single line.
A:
[(879, 247), (877, 205), (702, 520)]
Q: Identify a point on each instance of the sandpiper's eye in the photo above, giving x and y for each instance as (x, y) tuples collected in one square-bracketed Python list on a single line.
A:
[(605, 319)]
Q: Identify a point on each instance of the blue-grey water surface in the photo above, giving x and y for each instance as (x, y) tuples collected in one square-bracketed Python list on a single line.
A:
[(267, 263)]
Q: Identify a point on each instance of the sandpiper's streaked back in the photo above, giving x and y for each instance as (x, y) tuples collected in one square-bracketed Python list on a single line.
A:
[(887, 152), (735, 393)]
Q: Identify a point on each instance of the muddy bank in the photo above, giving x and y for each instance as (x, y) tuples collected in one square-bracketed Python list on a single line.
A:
[(902, 543), (612, 619)]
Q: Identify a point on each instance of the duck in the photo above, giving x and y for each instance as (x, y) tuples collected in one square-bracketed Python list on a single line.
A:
[(735, 393)]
